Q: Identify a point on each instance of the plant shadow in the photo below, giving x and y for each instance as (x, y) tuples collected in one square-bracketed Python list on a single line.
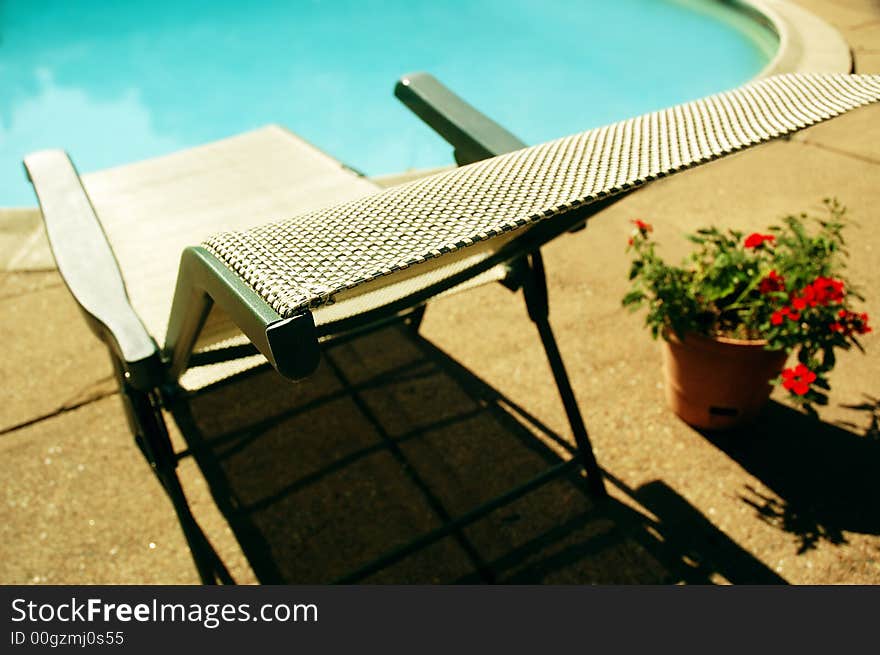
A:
[(392, 437), (824, 476)]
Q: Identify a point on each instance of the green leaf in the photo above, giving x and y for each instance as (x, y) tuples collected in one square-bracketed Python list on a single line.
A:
[(633, 298), (828, 359)]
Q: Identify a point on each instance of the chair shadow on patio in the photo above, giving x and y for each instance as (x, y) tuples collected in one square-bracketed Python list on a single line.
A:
[(391, 437), (825, 475)]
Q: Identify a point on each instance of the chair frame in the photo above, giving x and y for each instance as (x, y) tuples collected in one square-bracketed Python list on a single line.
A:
[(147, 374)]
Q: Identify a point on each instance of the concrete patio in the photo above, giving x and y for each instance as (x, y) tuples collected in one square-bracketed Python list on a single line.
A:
[(298, 483)]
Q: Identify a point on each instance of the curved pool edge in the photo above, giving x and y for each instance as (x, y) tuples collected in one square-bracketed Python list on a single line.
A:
[(807, 43)]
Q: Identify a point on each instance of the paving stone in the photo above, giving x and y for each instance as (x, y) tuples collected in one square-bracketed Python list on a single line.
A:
[(852, 135), (843, 14), (20, 283), (864, 38), (868, 62), (83, 507), (51, 360), (23, 242)]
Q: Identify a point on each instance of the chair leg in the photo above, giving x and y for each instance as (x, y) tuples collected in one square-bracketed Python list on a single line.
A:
[(151, 435), (534, 286)]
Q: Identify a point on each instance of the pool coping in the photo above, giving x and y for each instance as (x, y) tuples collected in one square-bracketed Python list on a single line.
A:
[(807, 43)]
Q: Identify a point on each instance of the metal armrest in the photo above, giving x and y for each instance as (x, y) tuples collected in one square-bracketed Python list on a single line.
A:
[(88, 266), (472, 134)]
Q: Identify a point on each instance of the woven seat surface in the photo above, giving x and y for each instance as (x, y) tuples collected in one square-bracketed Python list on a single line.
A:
[(338, 252)]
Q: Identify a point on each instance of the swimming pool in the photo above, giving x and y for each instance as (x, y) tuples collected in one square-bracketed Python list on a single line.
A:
[(113, 83)]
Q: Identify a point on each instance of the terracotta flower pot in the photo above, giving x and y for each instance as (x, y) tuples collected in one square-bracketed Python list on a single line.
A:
[(718, 383)]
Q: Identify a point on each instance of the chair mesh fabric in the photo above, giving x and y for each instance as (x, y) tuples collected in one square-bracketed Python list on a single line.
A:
[(308, 261)]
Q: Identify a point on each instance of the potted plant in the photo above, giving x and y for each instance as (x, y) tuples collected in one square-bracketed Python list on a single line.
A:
[(739, 305)]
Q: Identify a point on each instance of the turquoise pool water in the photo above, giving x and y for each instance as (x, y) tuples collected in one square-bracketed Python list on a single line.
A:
[(113, 82)]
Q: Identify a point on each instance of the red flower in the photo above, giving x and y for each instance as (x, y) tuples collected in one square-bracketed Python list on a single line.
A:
[(824, 290), (806, 297), (851, 322), (756, 240), (643, 227), (798, 379), (821, 291), (773, 282), (786, 312)]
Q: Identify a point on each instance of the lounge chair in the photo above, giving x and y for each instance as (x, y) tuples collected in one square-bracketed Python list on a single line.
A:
[(355, 257)]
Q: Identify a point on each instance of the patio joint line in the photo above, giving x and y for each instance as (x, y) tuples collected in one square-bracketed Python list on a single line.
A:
[(867, 23), (19, 294), (64, 409), (439, 510), (839, 151)]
